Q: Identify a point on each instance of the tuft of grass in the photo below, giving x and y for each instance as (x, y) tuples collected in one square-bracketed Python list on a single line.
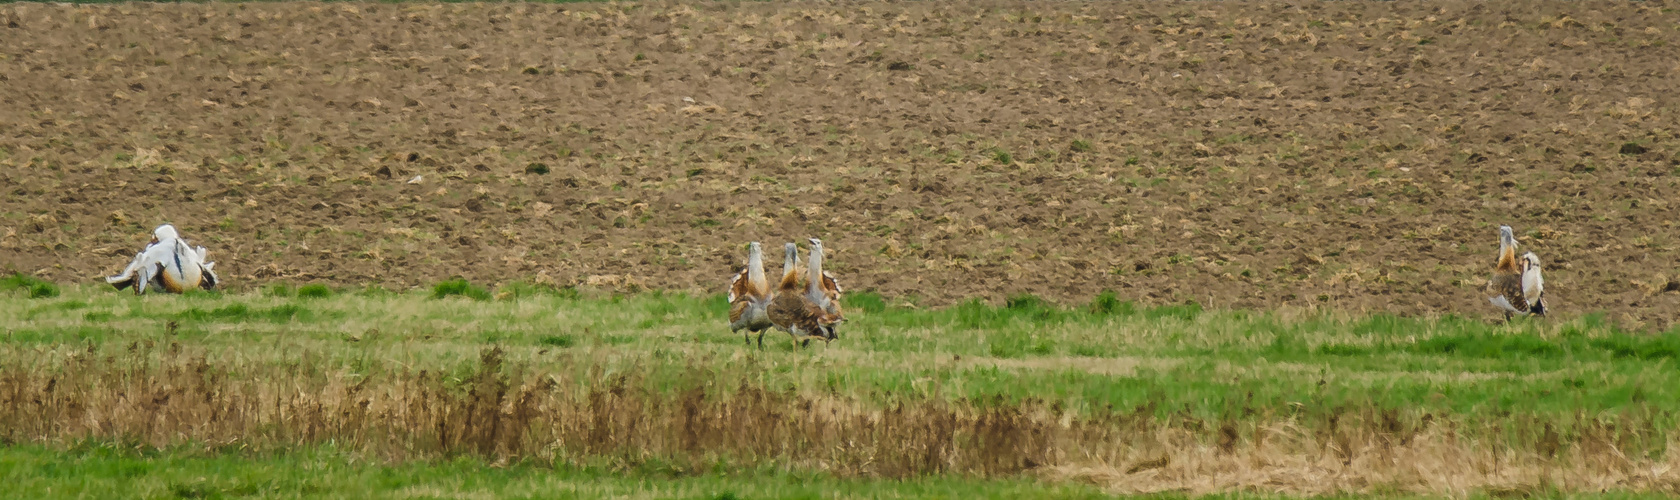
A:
[(1080, 146), (279, 290), (868, 302), (1001, 156), (561, 341), (36, 288), (314, 291), (1108, 303), (528, 289), (200, 293), (537, 168), (459, 287), (1184, 312), (239, 313), (375, 291)]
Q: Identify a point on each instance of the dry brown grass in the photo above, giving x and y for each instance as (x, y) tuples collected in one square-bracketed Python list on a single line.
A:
[(165, 395)]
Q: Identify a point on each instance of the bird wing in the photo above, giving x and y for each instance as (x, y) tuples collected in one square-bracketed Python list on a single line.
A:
[(830, 285), (1501, 303), (210, 281), (794, 313), (126, 277), (152, 263), (1533, 285), (1508, 293), (148, 274), (739, 287), (1509, 286), (831, 296), (736, 310)]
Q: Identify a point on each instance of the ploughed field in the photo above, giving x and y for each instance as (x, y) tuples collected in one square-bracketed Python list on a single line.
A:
[(1353, 156)]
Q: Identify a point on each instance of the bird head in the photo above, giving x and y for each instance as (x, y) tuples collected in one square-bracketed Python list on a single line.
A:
[(1530, 261), (790, 254), (1506, 237), (164, 232)]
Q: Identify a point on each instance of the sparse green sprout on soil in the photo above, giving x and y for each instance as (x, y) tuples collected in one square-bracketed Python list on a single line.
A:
[(1080, 146), (1001, 156)]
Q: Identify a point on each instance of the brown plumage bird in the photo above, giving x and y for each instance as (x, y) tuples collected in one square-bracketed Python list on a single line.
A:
[(794, 312), (825, 292), (1516, 285), (749, 298)]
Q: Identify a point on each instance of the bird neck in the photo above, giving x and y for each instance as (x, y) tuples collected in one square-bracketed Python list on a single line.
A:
[(1507, 259), (814, 277), (790, 274), (755, 271)]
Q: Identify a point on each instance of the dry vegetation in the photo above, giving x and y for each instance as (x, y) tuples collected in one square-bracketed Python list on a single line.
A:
[(1356, 155), (509, 412), (1182, 400)]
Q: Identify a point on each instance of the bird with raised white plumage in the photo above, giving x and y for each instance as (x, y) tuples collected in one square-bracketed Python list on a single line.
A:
[(1517, 286), (749, 297), (167, 263)]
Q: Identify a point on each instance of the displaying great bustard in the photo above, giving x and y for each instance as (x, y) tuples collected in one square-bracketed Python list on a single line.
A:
[(1517, 286), (824, 290), (749, 298), (168, 262), (792, 310)]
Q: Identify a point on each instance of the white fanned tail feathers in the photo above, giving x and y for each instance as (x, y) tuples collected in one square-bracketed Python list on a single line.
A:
[(170, 263)]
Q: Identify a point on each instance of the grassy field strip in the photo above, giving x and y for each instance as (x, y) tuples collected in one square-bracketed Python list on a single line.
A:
[(1128, 398), (102, 471), (1092, 359)]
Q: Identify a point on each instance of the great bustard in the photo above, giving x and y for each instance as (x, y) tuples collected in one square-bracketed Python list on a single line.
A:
[(824, 290), (167, 262), (791, 310), (749, 297), (1517, 286)]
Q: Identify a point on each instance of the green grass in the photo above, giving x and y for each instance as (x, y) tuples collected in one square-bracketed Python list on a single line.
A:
[(316, 290), (29, 286), (1108, 355), (461, 288), (114, 471)]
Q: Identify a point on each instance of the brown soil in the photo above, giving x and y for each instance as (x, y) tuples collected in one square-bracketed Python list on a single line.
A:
[(1349, 155)]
